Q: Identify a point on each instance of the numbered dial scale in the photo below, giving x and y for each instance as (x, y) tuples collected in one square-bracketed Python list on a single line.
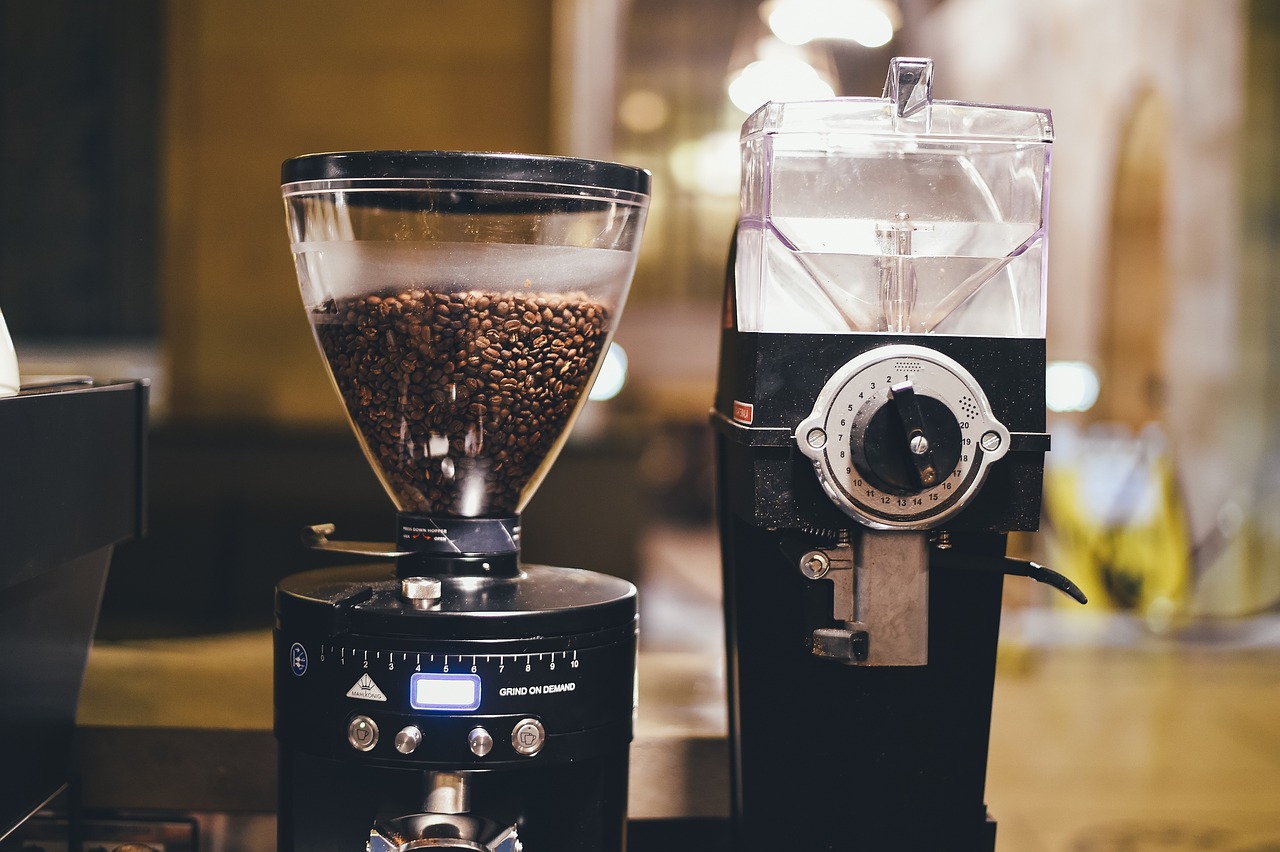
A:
[(492, 676), (901, 437)]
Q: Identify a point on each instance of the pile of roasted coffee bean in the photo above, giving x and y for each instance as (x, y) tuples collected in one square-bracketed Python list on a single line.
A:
[(460, 396)]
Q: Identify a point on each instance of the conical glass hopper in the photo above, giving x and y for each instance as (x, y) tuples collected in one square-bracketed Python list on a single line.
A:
[(463, 303)]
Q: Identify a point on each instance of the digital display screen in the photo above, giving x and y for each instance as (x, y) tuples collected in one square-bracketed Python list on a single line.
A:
[(444, 692)]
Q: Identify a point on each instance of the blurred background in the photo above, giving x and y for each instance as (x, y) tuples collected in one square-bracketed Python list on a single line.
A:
[(142, 235)]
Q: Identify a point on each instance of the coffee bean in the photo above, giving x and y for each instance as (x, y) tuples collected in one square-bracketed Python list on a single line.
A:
[(494, 376)]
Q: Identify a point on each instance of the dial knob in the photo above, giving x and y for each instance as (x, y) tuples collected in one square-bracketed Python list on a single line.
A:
[(901, 437), (421, 592), (909, 444), (408, 739)]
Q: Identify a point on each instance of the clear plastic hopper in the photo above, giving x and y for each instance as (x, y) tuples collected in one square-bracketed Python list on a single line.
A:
[(897, 214), (463, 303)]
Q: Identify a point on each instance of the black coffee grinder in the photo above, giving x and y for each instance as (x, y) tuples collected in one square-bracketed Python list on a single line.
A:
[(881, 428), (449, 696)]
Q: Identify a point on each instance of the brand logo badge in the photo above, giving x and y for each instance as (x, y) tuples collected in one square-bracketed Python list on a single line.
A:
[(367, 690)]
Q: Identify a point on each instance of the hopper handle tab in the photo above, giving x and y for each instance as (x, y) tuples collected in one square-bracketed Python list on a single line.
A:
[(909, 84), (317, 538)]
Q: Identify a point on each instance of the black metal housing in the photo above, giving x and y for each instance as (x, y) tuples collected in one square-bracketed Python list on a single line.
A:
[(824, 755), (780, 376), (553, 644), (71, 488)]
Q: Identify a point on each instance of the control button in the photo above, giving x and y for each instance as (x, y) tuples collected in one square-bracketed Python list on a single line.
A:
[(362, 733), (421, 592), (408, 739), (480, 742), (528, 737)]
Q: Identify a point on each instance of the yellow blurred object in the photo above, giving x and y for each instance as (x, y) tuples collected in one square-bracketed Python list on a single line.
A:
[(1117, 522)]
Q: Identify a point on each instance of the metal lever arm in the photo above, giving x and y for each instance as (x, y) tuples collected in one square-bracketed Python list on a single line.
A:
[(317, 538)]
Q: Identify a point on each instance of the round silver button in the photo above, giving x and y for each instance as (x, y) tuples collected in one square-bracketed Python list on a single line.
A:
[(528, 736), (408, 739), (421, 592), (362, 733), (480, 742)]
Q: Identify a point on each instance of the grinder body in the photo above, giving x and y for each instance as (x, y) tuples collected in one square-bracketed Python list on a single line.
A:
[(840, 754), (880, 417)]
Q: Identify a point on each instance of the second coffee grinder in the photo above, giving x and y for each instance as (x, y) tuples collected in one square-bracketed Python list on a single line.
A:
[(449, 696), (881, 421)]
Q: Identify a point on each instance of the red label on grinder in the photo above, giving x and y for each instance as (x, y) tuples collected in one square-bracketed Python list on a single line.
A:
[(743, 412)]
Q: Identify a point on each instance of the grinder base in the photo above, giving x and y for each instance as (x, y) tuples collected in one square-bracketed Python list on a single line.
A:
[(522, 685)]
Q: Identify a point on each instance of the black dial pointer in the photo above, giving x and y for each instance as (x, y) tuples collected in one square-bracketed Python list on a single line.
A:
[(911, 444), (902, 397)]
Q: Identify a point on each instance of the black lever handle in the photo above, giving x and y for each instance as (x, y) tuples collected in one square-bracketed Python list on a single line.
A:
[(1015, 567), (902, 397)]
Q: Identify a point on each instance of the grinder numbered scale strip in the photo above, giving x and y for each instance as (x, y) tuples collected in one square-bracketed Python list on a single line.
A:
[(445, 695), (881, 429)]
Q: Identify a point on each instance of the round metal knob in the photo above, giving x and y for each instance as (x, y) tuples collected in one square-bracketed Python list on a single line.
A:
[(480, 742), (421, 592), (815, 564), (408, 739)]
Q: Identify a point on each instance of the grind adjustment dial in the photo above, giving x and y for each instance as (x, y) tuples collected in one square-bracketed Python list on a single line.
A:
[(901, 437), (909, 444)]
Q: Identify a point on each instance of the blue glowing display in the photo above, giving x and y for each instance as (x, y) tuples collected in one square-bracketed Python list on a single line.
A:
[(429, 691)]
